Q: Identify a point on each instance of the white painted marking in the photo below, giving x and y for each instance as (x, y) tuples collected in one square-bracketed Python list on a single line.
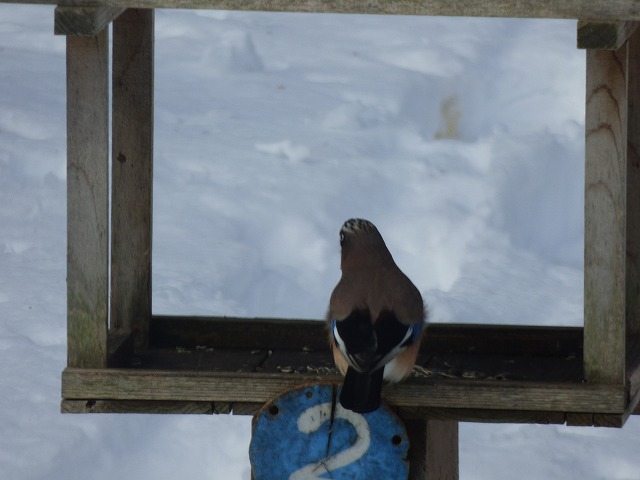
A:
[(312, 419)]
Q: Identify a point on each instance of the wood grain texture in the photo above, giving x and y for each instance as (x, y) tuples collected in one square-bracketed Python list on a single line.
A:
[(433, 454), (132, 173), (122, 384), (576, 9), (242, 408), (599, 35), (87, 200), (605, 216), (83, 21)]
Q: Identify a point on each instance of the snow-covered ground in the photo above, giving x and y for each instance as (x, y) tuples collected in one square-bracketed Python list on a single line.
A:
[(462, 139)]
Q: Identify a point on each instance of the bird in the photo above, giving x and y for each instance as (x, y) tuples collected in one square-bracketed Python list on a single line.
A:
[(376, 318)]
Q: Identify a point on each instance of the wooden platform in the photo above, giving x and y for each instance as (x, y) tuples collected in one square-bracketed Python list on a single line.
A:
[(465, 372)]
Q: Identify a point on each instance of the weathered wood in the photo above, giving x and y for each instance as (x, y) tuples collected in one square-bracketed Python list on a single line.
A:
[(605, 216), (200, 359), (482, 415), (220, 332), (609, 421), (576, 9), (409, 414), (599, 35), (120, 342), (433, 454), (132, 172), (136, 406), (118, 384), (84, 21), (246, 408), (633, 187), (87, 200), (507, 395), (312, 335)]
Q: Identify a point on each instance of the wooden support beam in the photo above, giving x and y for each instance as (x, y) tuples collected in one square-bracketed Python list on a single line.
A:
[(136, 406), (604, 35), (132, 173), (574, 9), (433, 454), (84, 21), (408, 414), (87, 200), (258, 387), (605, 216)]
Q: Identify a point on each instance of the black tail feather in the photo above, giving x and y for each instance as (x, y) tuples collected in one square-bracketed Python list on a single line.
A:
[(361, 391)]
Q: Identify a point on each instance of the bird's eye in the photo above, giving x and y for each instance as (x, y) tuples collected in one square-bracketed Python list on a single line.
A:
[(341, 239)]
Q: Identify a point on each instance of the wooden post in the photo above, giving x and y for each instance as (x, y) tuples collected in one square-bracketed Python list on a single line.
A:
[(132, 183), (87, 200), (433, 454), (633, 188), (605, 216)]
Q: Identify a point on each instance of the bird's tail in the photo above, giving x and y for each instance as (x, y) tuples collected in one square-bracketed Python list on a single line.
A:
[(361, 391)]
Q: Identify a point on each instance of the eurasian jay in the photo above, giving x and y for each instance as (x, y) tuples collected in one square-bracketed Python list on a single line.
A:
[(376, 318)]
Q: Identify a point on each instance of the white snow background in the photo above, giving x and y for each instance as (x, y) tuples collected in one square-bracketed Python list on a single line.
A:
[(271, 130)]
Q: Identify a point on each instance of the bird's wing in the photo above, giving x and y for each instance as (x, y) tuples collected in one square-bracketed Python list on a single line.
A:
[(369, 346)]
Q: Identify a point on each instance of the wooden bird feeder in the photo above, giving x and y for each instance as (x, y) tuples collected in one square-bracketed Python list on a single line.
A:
[(130, 361)]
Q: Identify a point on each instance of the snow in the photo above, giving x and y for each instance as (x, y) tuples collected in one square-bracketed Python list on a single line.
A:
[(462, 139)]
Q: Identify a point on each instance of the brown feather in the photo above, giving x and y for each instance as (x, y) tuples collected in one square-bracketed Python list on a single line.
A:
[(371, 279)]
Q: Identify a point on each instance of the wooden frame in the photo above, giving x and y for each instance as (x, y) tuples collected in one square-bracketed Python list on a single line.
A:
[(144, 364), (613, 10)]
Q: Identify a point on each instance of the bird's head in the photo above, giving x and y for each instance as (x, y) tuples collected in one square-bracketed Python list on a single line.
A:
[(361, 244)]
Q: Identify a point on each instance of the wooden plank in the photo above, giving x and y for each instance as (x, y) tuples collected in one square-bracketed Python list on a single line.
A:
[(246, 408), (633, 186), (579, 419), (87, 200), (433, 454), (507, 395), (312, 335), (608, 35), (483, 415), (609, 421), (605, 219), (132, 172), (136, 406), (201, 359), (575, 9), (221, 332), (409, 414), (120, 384), (84, 21)]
